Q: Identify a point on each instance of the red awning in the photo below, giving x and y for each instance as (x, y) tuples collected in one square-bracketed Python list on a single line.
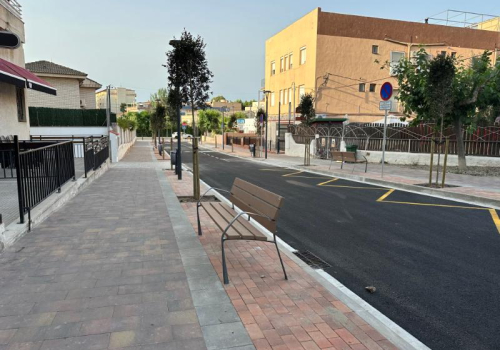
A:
[(15, 75)]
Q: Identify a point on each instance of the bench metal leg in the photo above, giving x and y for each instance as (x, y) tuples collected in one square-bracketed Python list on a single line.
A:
[(224, 266), (366, 166), (198, 216), (281, 260)]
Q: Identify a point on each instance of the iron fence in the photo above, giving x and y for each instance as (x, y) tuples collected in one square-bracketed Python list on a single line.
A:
[(41, 169), (96, 152)]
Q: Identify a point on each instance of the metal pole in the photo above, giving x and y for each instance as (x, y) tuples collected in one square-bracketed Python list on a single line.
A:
[(439, 150), (267, 117), (294, 118), (289, 112), (20, 192), (432, 161), (279, 124), (384, 141), (222, 129), (445, 160), (108, 119), (178, 165)]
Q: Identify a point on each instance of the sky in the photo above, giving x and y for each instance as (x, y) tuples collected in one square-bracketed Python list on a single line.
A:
[(123, 42)]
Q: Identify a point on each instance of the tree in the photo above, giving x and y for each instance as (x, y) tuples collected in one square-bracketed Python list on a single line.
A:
[(473, 93), (219, 98), (260, 113), (161, 95), (234, 117), (123, 108), (143, 124), (306, 108), (190, 77), (209, 120), (127, 121), (158, 121)]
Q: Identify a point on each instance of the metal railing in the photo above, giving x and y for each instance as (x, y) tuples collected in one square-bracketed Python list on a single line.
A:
[(96, 152), (40, 171)]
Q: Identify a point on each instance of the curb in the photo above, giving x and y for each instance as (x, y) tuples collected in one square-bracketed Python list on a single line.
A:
[(14, 231), (385, 326), (460, 197)]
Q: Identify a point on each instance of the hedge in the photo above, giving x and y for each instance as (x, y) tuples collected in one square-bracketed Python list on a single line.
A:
[(42, 116)]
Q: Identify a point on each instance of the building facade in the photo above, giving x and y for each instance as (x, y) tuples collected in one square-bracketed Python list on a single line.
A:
[(15, 81), (119, 95), (73, 87), (338, 59)]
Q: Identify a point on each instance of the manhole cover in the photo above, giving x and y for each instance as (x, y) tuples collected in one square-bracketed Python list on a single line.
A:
[(190, 199), (312, 260)]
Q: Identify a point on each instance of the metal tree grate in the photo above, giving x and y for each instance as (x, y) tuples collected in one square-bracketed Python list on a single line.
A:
[(312, 260)]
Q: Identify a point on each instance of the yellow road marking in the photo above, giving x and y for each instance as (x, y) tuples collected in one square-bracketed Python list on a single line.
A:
[(295, 173), (436, 205), (495, 218), (386, 195), (279, 169), (358, 187), (326, 182)]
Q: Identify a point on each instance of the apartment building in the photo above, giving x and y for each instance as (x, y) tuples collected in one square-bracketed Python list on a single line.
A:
[(119, 95), (75, 89), (338, 59), (15, 80)]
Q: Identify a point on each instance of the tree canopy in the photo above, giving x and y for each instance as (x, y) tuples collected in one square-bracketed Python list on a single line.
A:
[(306, 108), (209, 120), (219, 98)]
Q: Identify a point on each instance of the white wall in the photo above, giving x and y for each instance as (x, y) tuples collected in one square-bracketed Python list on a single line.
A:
[(68, 130), (295, 149), (9, 124)]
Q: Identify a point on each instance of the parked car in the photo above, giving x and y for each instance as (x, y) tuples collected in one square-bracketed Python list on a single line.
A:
[(184, 135)]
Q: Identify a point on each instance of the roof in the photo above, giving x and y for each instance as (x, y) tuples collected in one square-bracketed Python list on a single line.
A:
[(89, 83), (18, 76), (46, 67), (321, 120)]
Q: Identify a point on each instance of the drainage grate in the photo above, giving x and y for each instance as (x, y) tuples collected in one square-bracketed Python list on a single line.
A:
[(312, 260), (190, 199)]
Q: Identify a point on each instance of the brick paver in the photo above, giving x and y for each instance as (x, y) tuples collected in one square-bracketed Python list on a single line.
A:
[(103, 272), (278, 314)]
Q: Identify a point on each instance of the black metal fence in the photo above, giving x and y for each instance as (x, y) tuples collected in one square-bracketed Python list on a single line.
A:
[(96, 152), (7, 162)]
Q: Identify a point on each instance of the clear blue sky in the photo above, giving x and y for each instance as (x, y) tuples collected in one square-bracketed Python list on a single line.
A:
[(123, 42)]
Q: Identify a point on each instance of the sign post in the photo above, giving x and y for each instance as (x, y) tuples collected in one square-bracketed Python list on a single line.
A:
[(385, 105)]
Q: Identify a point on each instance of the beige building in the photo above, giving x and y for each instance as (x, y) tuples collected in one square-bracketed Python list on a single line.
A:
[(15, 80), (119, 95), (74, 89), (230, 106), (338, 59)]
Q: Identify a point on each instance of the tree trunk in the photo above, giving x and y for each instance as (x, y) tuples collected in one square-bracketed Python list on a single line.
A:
[(462, 165)]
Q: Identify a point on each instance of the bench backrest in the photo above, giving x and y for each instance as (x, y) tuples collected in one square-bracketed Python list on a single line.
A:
[(349, 156), (337, 155), (255, 199)]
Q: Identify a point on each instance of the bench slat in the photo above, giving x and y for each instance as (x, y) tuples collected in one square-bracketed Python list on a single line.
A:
[(220, 221), (243, 224), (269, 224), (258, 205), (272, 198)]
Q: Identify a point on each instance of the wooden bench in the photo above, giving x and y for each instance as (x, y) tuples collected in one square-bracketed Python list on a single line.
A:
[(255, 203), (347, 157)]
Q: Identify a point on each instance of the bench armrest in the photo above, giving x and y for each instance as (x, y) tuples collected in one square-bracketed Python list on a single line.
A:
[(237, 217), (211, 188)]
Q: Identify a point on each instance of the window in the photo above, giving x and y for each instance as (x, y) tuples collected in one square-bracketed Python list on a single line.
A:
[(290, 95), (443, 53), (372, 87), (302, 91), (396, 57), (273, 68), (375, 49), (453, 54), (281, 96), (290, 59), (21, 111), (285, 97), (303, 55), (362, 87), (272, 99), (286, 62), (281, 64)]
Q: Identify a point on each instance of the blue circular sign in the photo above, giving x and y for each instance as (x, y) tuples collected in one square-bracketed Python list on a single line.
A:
[(386, 91)]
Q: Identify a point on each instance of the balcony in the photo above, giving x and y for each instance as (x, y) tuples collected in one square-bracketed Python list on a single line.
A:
[(13, 7)]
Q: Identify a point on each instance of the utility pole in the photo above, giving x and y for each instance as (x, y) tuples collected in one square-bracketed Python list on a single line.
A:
[(178, 161), (223, 109), (266, 92), (108, 117), (278, 133), (294, 118)]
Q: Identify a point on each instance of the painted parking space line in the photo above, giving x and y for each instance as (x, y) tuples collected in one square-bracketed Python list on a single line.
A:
[(496, 219), (298, 174), (356, 187), (327, 182)]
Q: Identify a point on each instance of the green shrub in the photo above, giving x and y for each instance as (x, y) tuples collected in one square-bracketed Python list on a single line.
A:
[(42, 116)]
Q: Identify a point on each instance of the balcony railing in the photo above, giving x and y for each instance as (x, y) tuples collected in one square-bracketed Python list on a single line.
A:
[(13, 6)]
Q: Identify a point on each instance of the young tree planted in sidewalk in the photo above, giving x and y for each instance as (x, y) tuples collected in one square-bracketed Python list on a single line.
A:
[(260, 113), (143, 125), (158, 120), (189, 73), (474, 92), (306, 108), (209, 120)]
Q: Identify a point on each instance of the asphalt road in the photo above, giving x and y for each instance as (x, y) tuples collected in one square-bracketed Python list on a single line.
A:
[(435, 267)]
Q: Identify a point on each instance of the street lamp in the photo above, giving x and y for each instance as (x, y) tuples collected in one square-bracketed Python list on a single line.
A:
[(266, 92), (178, 162)]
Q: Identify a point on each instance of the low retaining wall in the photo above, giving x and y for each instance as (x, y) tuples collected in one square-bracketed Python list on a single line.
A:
[(294, 149), (402, 158)]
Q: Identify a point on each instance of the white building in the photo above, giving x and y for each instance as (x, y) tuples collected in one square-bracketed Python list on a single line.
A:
[(119, 95)]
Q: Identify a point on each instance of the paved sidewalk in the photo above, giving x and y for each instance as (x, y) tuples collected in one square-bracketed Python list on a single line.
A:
[(104, 272), (295, 314), (479, 186)]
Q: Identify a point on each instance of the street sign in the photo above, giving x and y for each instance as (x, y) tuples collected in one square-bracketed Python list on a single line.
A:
[(241, 121), (385, 105), (386, 91), (184, 126)]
